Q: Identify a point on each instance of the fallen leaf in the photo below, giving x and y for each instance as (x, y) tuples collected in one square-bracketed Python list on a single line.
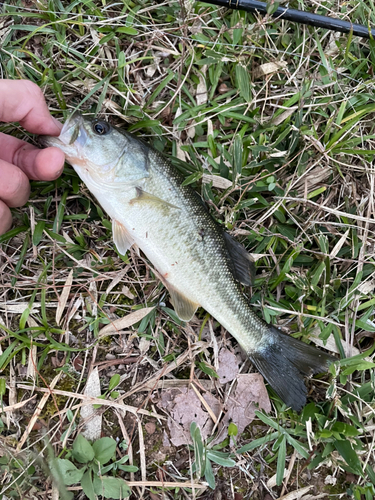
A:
[(126, 291), (144, 345), (271, 483), (294, 495), (150, 427), (268, 68), (316, 176), (19, 307), (250, 395), (154, 497), (125, 322), (201, 95), (330, 344), (37, 426), (92, 419), (63, 299), (78, 363), (31, 365), (366, 287), (92, 298), (117, 279), (217, 181), (223, 88), (336, 250), (228, 367), (279, 119), (184, 407)]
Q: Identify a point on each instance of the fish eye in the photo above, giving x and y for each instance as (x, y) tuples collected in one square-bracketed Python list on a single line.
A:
[(101, 127)]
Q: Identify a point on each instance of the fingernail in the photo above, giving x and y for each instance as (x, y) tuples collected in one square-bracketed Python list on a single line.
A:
[(57, 123)]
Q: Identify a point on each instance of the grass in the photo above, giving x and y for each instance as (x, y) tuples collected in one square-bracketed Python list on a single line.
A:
[(273, 124)]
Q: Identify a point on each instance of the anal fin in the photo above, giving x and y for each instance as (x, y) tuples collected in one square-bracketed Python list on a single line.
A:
[(121, 237), (184, 307)]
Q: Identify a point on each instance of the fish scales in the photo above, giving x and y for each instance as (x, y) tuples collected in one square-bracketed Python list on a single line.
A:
[(199, 263), (190, 239)]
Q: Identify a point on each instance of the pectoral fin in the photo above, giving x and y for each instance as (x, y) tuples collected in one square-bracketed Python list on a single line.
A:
[(144, 197), (241, 262), (121, 237)]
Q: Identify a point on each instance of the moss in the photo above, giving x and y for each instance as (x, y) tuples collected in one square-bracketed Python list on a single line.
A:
[(157, 445), (55, 403)]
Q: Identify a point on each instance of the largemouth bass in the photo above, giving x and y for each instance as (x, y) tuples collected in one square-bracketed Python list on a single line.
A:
[(198, 263)]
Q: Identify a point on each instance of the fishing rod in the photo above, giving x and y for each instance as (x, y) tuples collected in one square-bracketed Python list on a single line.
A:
[(298, 16)]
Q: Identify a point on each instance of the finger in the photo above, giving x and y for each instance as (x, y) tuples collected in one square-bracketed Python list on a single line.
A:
[(14, 186), (25, 103), (38, 164), (5, 218)]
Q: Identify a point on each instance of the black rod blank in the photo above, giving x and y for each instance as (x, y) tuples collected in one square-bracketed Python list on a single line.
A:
[(298, 16)]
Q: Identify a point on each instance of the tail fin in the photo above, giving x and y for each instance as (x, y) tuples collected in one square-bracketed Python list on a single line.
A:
[(284, 361)]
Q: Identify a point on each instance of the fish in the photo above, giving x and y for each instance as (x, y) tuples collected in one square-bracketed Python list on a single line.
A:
[(200, 264)]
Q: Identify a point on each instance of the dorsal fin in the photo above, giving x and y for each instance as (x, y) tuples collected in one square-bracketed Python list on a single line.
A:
[(241, 263)]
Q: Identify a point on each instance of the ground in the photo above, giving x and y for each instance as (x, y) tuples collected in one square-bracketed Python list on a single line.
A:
[(272, 123)]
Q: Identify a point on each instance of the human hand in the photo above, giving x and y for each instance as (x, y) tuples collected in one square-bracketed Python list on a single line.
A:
[(22, 101)]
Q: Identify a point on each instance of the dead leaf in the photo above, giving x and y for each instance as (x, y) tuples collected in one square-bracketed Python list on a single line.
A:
[(279, 119), (32, 362), (125, 322), (144, 345), (37, 426), (271, 483), (228, 367), (316, 176), (63, 299), (217, 181), (56, 362), (250, 395), (92, 420), (154, 497), (150, 427), (366, 287), (117, 279), (331, 346), (268, 68), (223, 88), (339, 245), (126, 291), (184, 407), (19, 307), (294, 495), (78, 363), (201, 95), (93, 298)]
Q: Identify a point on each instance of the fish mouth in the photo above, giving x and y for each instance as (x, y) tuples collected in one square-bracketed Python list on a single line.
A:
[(72, 136)]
